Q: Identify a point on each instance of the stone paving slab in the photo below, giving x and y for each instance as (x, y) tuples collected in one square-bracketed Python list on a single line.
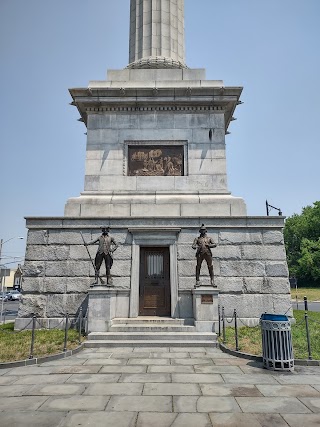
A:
[(17, 418), (298, 420), (218, 404), (299, 379), (94, 356), (77, 369), (8, 380), (149, 362), (106, 362), (123, 369), (30, 370), (135, 355), (140, 404), (170, 355), (23, 403), (312, 403), (249, 379), (173, 389), (208, 369), (191, 362), (68, 361), (14, 390), (196, 378), (235, 390), (171, 369), (173, 420), (100, 419), (55, 390), (114, 389), (288, 390), (78, 403), (43, 379), (145, 378), (93, 378), (286, 405), (248, 420), (187, 350), (185, 403)]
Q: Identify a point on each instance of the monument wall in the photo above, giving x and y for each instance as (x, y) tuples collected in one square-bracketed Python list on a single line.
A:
[(249, 265)]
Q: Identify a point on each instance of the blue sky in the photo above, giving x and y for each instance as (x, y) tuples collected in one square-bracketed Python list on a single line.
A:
[(270, 47)]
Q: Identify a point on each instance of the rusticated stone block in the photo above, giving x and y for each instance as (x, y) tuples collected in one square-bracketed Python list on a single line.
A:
[(220, 252), (75, 285), (32, 284), (57, 286), (47, 253), (186, 252), (229, 284), (188, 268), (68, 268), (237, 237), (249, 305), (122, 253), (273, 237), (60, 304), (67, 237), (33, 269), (263, 252), (121, 268), (276, 285), (188, 283), (37, 237), (78, 252), (277, 269), (32, 305), (121, 282), (187, 236), (242, 268)]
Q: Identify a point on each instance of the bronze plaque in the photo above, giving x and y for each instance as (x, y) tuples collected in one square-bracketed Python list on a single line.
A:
[(153, 297), (158, 160), (206, 299)]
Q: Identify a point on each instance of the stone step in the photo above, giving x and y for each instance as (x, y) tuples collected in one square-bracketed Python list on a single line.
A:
[(146, 343), (151, 327), (153, 336), (151, 320)]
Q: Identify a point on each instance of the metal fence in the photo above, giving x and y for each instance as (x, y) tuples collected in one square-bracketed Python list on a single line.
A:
[(80, 324), (234, 320)]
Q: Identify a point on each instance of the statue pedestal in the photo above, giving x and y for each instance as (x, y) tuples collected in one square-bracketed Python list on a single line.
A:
[(205, 308), (102, 308)]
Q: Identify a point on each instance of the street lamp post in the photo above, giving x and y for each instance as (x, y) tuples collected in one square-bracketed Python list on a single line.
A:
[(3, 281)]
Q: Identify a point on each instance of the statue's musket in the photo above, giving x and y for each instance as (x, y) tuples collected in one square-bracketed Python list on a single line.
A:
[(94, 267)]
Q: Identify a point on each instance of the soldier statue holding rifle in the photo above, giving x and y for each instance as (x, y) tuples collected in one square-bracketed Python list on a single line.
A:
[(203, 245), (107, 245)]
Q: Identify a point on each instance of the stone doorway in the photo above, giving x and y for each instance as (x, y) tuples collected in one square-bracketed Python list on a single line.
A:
[(154, 283)]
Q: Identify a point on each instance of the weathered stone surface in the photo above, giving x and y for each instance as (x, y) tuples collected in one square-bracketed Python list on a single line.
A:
[(32, 284), (236, 237), (79, 252), (189, 282), (68, 268), (188, 268), (276, 285), (187, 236), (60, 304), (273, 237), (37, 237), (47, 253), (33, 304), (263, 252), (67, 237), (121, 268), (277, 269), (33, 269), (242, 268), (220, 252)]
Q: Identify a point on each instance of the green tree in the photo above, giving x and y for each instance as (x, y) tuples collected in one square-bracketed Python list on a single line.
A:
[(302, 240)]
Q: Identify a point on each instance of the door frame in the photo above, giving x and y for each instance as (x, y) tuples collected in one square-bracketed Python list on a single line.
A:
[(157, 237)]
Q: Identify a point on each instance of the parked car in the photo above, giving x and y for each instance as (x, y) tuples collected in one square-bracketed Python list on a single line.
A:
[(3, 297), (14, 296)]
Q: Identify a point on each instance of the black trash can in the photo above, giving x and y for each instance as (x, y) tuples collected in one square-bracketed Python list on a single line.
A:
[(277, 349)]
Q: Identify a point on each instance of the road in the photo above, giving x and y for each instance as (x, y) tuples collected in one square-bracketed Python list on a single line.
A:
[(312, 306), (10, 309)]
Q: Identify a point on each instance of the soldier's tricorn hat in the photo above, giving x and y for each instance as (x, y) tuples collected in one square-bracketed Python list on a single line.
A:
[(202, 228), (105, 228)]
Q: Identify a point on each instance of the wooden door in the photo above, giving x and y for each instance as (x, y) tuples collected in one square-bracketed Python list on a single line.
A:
[(154, 282)]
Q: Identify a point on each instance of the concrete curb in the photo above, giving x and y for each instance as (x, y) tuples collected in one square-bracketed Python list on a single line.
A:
[(39, 360), (300, 362)]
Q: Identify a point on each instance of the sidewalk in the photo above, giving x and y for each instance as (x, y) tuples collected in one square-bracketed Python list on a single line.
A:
[(152, 387)]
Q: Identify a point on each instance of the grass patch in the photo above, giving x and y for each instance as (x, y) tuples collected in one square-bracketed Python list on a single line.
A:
[(250, 338), (313, 294), (16, 345)]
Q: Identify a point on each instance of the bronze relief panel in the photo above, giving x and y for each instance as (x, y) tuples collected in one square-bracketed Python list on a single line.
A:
[(159, 160)]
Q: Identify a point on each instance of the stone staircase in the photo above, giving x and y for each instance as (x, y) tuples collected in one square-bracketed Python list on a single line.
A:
[(151, 332)]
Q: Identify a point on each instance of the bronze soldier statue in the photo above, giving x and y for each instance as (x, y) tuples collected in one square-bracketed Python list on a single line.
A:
[(107, 245), (203, 244)]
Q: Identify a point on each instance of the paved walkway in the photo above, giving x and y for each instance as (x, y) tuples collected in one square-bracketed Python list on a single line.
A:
[(158, 387)]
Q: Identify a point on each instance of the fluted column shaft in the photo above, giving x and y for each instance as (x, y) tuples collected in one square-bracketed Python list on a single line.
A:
[(157, 31)]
